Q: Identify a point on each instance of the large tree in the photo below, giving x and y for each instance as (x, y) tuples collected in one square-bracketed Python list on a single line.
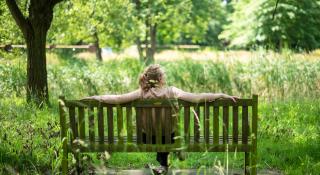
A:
[(34, 25), (101, 22), (294, 24), (168, 20)]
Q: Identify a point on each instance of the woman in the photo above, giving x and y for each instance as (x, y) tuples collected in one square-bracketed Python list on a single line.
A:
[(152, 85)]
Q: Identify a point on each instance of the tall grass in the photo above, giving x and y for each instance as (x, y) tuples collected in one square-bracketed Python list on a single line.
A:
[(271, 77), (288, 89)]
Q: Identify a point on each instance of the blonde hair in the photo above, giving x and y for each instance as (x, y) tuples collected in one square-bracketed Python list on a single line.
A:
[(153, 76)]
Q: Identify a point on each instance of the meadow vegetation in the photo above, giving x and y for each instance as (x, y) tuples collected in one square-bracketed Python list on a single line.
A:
[(288, 86)]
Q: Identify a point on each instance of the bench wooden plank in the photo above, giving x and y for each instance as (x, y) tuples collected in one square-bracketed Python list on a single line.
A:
[(216, 125), (120, 123), (196, 126), (235, 124), (110, 125), (206, 123), (177, 127), (187, 124), (129, 123), (148, 117), (225, 124), (199, 147), (221, 102), (116, 139), (81, 123), (91, 124), (100, 124), (73, 124), (245, 125), (138, 125), (160, 103), (158, 113), (168, 119)]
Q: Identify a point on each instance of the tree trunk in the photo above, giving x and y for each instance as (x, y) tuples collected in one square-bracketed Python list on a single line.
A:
[(140, 50), (151, 49), (34, 29), (37, 88), (146, 41), (97, 45), (150, 42), (153, 38), (138, 40)]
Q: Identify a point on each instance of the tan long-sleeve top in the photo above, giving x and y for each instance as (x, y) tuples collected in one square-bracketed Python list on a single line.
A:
[(165, 92)]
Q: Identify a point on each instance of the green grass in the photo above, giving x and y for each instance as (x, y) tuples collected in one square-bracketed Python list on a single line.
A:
[(289, 109)]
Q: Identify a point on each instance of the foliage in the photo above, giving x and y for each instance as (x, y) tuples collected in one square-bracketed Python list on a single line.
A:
[(9, 31), (78, 20), (188, 21), (119, 22), (295, 24)]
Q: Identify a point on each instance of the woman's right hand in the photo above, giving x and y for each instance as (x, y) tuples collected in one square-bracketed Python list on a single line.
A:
[(233, 98)]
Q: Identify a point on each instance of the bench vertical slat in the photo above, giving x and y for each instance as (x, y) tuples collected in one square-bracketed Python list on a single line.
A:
[(235, 124), (129, 123), (148, 116), (120, 124), (197, 124), (100, 124), (91, 124), (245, 125), (81, 123), (110, 125), (73, 124), (187, 124), (216, 125), (225, 124), (158, 131), (206, 122), (168, 119), (176, 117), (138, 125)]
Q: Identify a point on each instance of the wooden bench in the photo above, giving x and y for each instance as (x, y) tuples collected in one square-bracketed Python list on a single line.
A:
[(219, 126)]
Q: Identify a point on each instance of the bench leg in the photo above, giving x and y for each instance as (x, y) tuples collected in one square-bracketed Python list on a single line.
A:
[(246, 163), (254, 163), (77, 157), (64, 163)]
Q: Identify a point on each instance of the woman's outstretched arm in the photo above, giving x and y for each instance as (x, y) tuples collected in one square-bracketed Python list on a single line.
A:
[(200, 97), (116, 99)]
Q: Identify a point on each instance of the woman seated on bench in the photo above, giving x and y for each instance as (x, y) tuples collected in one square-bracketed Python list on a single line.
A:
[(152, 85)]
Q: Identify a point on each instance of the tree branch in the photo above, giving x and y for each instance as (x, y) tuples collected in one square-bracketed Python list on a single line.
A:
[(17, 15), (274, 11)]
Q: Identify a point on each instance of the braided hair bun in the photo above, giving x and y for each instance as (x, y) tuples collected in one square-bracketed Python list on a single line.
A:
[(153, 76)]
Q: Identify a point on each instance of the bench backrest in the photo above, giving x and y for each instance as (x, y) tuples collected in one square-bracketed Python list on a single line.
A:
[(153, 121)]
